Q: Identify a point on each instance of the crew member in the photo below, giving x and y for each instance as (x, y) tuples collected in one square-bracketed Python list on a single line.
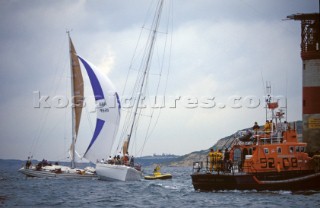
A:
[(156, 170), (28, 163), (218, 160), (211, 159), (255, 128), (267, 127), (126, 158), (132, 161), (226, 159)]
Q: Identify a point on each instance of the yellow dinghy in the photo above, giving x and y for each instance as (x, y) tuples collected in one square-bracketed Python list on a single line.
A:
[(158, 175)]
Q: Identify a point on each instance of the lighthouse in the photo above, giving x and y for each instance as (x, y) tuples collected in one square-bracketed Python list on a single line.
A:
[(310, 55)]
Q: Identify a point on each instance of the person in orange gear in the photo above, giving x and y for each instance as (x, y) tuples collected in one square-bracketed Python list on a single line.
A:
[(267, 127), (218, 160), (211, 159)]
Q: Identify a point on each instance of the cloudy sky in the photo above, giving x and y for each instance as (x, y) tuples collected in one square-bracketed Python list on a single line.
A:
[(221, 49)]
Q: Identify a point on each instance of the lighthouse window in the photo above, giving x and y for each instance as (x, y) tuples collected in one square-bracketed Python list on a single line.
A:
[(279, 150), (266, 150)]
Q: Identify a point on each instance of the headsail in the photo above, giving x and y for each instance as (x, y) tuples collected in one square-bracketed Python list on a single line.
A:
[(108, 114)]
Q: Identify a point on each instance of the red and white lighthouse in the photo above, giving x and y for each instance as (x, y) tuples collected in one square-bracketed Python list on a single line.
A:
[(310, 54)]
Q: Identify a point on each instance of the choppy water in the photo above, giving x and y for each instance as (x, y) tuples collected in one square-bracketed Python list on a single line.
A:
[(16, 190)]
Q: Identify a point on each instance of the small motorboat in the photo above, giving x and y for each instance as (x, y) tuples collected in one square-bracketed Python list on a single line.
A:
[(158, 175)]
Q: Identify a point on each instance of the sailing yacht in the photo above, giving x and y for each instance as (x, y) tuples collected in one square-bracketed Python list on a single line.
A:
[(123, 168), (107, 121)]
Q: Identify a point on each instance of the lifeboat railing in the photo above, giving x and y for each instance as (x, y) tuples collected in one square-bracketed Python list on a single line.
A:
[(197, 167), (217, 167), (262, 139)]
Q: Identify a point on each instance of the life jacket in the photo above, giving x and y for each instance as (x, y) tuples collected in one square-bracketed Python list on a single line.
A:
[(211, 156)]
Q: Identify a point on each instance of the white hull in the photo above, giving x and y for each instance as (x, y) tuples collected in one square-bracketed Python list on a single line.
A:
[(117, 172), (49, 172)]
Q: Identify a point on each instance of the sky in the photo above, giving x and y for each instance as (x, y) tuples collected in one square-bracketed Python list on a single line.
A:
[(220, 50)]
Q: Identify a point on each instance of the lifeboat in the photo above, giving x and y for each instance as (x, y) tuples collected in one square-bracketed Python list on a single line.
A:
[(268, 159)]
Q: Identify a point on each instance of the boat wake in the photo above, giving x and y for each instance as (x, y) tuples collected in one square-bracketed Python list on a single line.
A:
[(164, 186)]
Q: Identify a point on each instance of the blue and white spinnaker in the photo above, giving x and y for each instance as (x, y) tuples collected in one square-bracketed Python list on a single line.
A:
[(108, 114)]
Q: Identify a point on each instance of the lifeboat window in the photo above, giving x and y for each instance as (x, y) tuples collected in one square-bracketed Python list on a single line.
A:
[(250, 151), (297, 149), (279, 150), (266, 150), (291, 148), (237, 155), (302, 149)]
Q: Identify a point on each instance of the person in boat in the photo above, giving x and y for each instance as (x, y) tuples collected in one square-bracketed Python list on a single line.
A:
[(132, 161), (267, 127), (286, 126), (255, 128), (126, 159), (28, 163), (80, 172), (273, 125), (102, 160), (119, 159), (45, 163), (116, 160), (110, 161), (211, 159), (39, 166), (226, 160), (156, 170), (58, 170), (197, 167), (218, 160)]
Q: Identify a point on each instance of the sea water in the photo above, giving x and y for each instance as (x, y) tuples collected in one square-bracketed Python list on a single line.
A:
[(18, 191)]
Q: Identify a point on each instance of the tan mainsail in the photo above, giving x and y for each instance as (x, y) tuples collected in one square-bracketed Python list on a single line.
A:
[(125, 147), (77, 99)]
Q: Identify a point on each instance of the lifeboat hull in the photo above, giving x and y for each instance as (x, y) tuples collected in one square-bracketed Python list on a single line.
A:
[(241, 181)]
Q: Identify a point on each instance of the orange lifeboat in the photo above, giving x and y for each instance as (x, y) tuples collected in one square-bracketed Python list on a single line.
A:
[(263, 160)]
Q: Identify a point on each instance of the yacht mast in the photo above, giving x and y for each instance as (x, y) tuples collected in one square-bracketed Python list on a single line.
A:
[(147, 65)]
